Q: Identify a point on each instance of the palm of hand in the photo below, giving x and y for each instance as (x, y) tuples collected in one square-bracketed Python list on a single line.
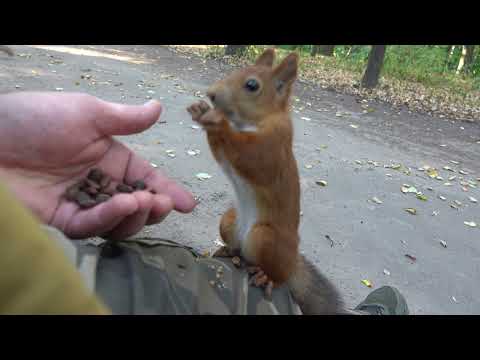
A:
[(53, 140)]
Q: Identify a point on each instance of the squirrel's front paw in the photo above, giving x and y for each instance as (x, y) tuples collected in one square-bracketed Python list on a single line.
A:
[(203, 114), (198, 109)]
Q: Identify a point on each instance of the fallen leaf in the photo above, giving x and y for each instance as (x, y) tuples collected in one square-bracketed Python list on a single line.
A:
[(451, 178), (386, 272), (59, 89), (433, 173), (154, 165), (196, 127), (411, 211), (442, 197), (308, 166), (447, 184), (354, 126), (434, 213), (472, 199), (203, 176), (448, 168), (305, 118), (421, 197), (444, 243), (191, 152), (463, 172), (454, 299), (470, 223), (457, 202), (367, 283), (454, 162), (377, 200), (413, 258), (321, 183), (408, 189)]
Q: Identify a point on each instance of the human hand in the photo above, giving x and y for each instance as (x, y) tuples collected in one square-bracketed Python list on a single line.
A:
[(49, 141)]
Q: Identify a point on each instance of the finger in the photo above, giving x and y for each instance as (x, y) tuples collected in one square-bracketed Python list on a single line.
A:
[(162, 206), (101, 218), (182, 199), (135, 222), (120, 119)]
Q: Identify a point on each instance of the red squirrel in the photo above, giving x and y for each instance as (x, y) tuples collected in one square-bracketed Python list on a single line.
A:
[(250, 133), (6, 50)]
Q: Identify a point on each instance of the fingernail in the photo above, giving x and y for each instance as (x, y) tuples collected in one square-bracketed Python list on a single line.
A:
[(150, 102)]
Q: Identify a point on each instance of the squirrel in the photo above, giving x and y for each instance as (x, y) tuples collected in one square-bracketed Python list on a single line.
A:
[(250, 134), (6, 50)]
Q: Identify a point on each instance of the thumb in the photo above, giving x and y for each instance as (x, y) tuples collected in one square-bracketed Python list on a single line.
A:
[(120, 119)]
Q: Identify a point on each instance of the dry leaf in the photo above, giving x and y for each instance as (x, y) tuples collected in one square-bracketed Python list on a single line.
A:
[(470, 223), (411, 211), (413, 258), (367, 283), (421, 197), (203, 176), (377, 200), (321, 183)]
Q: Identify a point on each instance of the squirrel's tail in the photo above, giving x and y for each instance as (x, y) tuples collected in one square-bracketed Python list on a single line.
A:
[(313, 292), (6, 49)]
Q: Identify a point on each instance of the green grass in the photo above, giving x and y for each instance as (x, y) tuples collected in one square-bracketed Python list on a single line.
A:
[(425, 64)]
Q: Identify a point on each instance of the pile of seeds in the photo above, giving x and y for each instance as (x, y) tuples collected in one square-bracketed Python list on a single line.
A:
[(98, 187)]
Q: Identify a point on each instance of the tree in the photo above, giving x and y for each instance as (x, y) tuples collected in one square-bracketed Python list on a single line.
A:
[(325, 50), (374, 66), (466, 59), (235, 49)]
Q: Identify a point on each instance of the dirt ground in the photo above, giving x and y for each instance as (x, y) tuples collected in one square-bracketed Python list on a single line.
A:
[(334, 141)]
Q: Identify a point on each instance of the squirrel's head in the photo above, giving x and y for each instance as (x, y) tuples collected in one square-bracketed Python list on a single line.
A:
[(250, 94)]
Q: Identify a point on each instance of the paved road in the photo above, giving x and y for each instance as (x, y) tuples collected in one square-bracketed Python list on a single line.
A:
[(370, 240)]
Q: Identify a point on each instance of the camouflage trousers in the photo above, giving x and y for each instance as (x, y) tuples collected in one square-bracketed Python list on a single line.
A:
[(160, 277)]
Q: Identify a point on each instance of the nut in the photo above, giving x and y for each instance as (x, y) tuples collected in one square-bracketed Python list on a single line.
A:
[(139, 185), (124, 188), (71, 192), (91, 191), (105, 181), (84, 200), (102, 198), (95, 175), (92, 184), (236, 261)]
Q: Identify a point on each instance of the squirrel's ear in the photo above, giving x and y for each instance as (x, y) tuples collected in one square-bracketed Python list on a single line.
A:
[(266, 59), (286, 72)]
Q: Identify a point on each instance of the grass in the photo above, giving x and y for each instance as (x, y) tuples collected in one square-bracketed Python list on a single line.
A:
[(426, 65)]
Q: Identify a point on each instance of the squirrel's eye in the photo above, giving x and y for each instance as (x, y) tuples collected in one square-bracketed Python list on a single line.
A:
[(252, 85)]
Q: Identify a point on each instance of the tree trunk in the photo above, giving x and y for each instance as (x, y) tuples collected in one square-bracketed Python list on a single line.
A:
[(235, 49), (374, 66), (469, 56), (326, 50), (461, 62), (466, 60)]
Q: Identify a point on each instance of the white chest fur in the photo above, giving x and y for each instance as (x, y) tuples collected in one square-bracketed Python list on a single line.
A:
[(245, 204)]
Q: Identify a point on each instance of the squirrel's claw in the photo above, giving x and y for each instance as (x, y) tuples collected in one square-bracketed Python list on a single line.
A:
[(260, 279)]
